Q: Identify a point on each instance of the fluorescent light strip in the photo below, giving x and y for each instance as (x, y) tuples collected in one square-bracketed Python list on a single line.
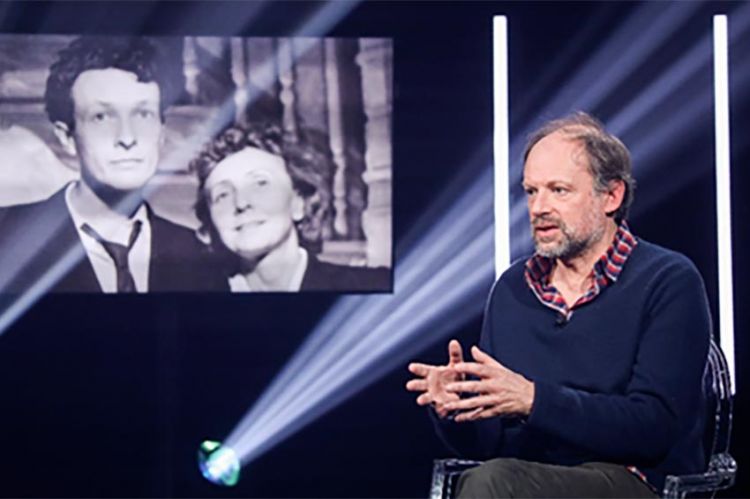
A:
[(501, 143), (723, 191)]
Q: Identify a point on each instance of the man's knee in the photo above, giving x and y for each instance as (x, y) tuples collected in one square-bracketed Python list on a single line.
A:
[(493, 478)]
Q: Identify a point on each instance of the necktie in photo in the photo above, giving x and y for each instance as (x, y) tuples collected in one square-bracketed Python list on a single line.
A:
[(119, 254)]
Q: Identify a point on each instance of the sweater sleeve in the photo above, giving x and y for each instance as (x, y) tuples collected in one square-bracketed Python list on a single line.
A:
[(477, 439), (641, 424)]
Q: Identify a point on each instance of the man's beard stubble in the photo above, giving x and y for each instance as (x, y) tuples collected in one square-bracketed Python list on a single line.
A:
[(571, 245)]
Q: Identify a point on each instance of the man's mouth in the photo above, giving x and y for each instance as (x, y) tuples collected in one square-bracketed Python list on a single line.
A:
[(545, 229)]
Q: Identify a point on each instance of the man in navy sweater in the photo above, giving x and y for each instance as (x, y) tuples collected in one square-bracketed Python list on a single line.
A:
[(587, 379)]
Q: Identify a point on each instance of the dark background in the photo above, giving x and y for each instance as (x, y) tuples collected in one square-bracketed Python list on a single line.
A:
[(111, 395)]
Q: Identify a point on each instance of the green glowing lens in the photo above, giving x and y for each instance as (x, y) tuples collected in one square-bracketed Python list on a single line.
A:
[(218, 464)]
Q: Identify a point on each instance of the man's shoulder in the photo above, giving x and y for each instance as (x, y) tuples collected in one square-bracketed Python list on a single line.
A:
[(50, 219), (54, 204), (651, 259), (36, 236)]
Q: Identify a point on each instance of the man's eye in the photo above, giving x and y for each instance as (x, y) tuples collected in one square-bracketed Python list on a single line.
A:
[(559, 190), (261, 182), (529, 192), (145, 114), (101, 116)]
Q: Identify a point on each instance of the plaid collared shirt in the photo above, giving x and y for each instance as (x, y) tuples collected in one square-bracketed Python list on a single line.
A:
[(606, 271)]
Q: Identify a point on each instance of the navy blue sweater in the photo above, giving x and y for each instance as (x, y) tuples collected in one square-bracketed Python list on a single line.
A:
[(620, 382)]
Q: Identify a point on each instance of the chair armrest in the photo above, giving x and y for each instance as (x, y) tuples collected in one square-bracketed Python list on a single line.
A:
[(444, 474), (721, 473)]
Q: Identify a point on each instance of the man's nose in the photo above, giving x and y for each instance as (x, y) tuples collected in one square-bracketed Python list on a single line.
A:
[(539, 204), (126, 137)]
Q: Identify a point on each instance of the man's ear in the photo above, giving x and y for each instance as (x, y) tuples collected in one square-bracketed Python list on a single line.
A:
[(615, 196), (65, 137)]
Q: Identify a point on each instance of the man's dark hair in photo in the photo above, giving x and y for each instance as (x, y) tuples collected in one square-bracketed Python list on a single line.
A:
[(138, 55)]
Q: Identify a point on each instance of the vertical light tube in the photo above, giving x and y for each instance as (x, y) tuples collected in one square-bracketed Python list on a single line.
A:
[(501, 143), (723, 192)]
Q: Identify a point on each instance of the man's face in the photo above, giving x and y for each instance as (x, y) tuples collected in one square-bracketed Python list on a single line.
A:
[(118, 129), (252, 202), (567, 216)]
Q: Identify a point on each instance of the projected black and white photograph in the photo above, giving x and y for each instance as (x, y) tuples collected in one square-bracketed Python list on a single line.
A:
[(135, 164)]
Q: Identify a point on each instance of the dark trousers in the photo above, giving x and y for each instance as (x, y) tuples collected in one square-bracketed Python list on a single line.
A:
[(515, 478)]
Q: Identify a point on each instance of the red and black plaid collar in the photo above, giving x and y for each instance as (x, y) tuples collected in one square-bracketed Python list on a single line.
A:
[(606, 271)]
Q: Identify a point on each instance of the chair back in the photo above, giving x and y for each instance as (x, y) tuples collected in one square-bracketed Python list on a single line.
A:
[(722, 468), (718, 389)]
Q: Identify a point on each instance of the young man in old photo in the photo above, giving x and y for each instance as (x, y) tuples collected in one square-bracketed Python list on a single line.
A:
[(106, 98)]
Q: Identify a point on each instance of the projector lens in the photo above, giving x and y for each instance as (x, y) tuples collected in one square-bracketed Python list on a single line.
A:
[(218, 464)]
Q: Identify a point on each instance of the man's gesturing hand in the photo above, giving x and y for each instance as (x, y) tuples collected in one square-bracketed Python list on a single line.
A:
[(432, 380), (499, 390)]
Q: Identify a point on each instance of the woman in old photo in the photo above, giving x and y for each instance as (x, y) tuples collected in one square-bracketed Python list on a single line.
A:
[(261, 203)]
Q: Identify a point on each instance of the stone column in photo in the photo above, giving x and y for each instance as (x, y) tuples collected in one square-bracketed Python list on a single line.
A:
[(190, 67), (287, 96), (375, 61), (336, 136), (311, 105), (239, 72)]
